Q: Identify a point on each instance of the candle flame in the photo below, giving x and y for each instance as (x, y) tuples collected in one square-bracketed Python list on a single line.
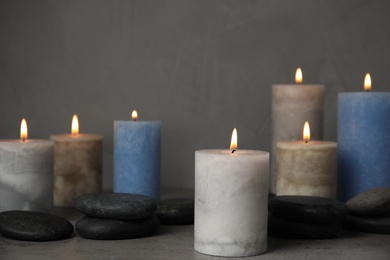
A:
[(367, 82), (23, 130), (298, 76), (75, 125), (233, 142), (134, 115), (306, 132)]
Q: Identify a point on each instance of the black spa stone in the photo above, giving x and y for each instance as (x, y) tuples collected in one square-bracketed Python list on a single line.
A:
[(109, 229), (307, 208), (34, 226), (280, 227), (379, 225), (176, 211), (121, 206), (374, 202)]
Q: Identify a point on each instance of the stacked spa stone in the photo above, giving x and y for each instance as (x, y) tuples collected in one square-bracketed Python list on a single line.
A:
[(116, 216), (369, 212), (305, 217)]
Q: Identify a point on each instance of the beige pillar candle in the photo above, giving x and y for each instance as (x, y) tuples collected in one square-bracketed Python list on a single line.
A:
[(77, 165), (292, 105), (306, 168)]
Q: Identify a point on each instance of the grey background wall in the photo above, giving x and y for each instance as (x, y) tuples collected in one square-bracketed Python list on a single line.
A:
[(201, 67)]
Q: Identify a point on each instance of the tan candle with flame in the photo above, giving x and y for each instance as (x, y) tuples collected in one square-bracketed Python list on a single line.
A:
[(77, 165), (292, 105), (306, 167)]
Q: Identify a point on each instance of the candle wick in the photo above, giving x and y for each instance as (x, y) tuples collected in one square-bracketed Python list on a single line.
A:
[(306, 141), (134, 119), (23, 139), (367, 90), (233, 150)]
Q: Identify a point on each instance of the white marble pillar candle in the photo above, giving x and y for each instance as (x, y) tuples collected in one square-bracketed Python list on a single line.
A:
[(77, 165), (292, 105), (306, 168), (26, 174), (231, 199)]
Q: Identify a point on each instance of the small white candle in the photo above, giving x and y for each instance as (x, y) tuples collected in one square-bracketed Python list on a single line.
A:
[(231, 199), (77, 165), (292, 105), (306, 167), (26, 173)]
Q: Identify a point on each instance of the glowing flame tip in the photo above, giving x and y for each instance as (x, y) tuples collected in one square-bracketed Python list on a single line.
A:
[(75, 125), (233, 142)]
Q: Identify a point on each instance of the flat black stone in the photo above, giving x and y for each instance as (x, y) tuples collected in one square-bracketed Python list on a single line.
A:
[(374, 202), (109, 229), (34, 226), (121, 206), (307, 208), (280, 227), (379, 225), (176, 211)]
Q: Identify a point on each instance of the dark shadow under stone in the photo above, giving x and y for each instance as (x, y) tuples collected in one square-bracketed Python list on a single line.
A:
[(379, 225), (307, 208), (109, 229), (176, 211), (279, 227), (34, 226), (121, 206)]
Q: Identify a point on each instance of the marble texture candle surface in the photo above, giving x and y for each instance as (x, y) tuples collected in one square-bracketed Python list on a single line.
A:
[(26, 174), (292, 105), (137, 157), (231, 199), (77, 166), (363, 142), (306, 168)]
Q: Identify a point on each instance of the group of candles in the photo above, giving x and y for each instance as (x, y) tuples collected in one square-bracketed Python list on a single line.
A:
[(231, 185)]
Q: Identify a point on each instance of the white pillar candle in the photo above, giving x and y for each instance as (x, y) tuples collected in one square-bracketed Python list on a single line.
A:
[(306, 168), (292, 105), (77, 165), (231, 199), (26, 174)]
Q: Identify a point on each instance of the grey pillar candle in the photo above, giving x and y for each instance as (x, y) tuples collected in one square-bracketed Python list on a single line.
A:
[(26, 174), (292, 105)]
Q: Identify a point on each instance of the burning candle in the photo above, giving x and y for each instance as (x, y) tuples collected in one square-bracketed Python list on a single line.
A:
[(292, 105), (231, 199), (306, 167), (26, 173), (77, 165), (364, 141), (137, 157)]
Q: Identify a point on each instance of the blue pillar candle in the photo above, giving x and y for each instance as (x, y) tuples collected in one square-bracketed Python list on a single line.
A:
[(137, 157), (363, 142)]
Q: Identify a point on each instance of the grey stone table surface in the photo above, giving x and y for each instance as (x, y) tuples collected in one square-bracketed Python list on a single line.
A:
[(176, 242)]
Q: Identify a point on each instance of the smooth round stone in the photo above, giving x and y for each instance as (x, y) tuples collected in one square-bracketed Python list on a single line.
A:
[(280, 227), (121, 206), (105, 229), (176, 211), (307, 208), (379, 225), (34, 226), (374, 202)]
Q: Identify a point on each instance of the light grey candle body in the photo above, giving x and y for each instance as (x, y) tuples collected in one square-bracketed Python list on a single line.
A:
[(26, 175), (292, 105), (231, 200)]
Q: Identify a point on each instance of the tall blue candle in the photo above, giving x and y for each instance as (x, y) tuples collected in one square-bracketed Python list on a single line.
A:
[(137, 157), (363, 142)]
